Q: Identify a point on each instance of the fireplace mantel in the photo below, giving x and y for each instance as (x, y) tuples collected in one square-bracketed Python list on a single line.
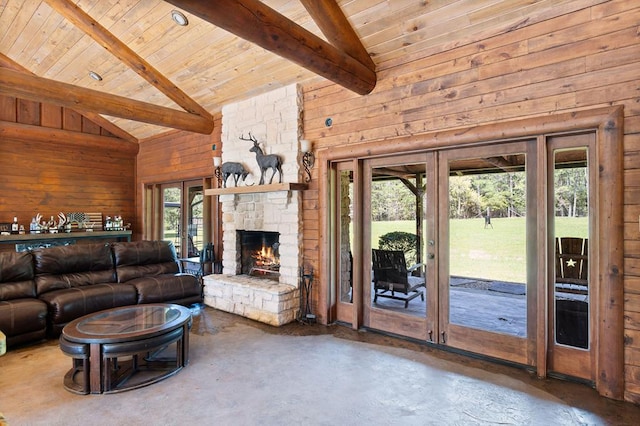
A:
[(287, 186)]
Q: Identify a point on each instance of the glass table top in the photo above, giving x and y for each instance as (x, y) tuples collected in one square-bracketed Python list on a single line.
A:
[(128, 321)]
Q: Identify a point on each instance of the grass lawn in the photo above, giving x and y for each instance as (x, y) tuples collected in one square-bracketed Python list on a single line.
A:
[(496, 253)]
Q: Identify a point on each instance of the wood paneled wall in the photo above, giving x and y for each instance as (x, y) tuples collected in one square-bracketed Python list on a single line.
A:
[(176, 156), (55, 160), (586, 59)]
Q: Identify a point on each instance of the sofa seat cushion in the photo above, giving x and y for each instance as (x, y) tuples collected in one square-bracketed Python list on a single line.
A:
[(168, 288), (22, 320), (68, 304)]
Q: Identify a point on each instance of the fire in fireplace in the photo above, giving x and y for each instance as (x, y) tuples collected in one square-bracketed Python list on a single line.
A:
[(259, 253)]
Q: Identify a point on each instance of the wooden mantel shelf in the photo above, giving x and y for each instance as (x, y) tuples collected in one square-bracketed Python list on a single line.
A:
[(287, 186)]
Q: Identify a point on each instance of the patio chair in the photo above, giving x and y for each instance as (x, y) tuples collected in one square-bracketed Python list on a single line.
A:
[(200, 264), (191, 248), (392, 279), (572, 265)]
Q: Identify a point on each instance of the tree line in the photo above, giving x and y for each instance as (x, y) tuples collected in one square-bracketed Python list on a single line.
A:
[(473, 196)]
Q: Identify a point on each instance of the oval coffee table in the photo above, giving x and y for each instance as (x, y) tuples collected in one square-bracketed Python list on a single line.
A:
[(125, 348)]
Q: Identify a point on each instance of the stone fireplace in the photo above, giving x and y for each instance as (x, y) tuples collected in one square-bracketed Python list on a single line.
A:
[(263, 294)]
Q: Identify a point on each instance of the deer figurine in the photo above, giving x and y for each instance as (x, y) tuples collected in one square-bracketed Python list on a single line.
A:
[(265, 162), (233, 169)]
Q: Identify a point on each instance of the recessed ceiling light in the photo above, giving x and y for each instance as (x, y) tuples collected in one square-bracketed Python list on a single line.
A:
[(94, 75), (179, 18)]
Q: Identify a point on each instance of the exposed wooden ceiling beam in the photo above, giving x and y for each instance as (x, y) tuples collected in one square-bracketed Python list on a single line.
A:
[(96, 118), (101, 35), (22, 85), (337, 29), (26, 132), (254, 21)]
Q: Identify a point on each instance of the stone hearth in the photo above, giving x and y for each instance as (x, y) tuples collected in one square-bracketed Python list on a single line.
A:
[(259, 299), (274, 119)]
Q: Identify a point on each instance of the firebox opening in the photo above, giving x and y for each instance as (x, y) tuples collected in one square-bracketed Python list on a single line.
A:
[(259, 255)]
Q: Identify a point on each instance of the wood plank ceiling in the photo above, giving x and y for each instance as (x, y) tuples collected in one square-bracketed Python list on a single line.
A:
[(179, 75)]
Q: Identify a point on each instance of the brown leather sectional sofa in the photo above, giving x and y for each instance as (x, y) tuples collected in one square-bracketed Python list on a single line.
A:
[(44, 289)]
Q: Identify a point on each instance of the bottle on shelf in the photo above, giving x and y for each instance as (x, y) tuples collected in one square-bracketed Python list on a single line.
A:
[(15, 226), (34, 228)]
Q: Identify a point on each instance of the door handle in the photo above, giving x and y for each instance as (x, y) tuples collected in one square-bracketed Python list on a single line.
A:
[(431, 256)]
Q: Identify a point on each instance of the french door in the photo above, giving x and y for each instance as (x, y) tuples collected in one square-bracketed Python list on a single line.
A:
[(488, 257), (484, 226), (181, 216), (399, 216)]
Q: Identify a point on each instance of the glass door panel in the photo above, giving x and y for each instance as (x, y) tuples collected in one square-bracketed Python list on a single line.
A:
[(489, 232), (487, 245), (571, 244), (195, 220), (345, 235), (172, 215)]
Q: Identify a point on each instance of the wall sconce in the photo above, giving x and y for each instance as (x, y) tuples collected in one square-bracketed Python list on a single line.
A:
[(217, 162), (308, 159)]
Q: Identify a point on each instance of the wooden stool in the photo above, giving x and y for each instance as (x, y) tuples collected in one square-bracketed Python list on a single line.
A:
[(79, 352)]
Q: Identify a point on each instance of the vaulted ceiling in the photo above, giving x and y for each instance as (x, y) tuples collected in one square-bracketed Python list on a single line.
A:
[(158, 75)]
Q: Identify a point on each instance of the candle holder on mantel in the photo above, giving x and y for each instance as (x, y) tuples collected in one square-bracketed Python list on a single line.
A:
[(308, 159), (217, 162)]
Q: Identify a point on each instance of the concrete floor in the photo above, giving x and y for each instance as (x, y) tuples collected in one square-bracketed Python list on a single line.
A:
[(246, 373)]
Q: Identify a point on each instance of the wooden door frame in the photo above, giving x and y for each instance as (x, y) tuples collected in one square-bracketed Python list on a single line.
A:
[(152, 204), (339, 306), (572, 360), (608, 124)]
